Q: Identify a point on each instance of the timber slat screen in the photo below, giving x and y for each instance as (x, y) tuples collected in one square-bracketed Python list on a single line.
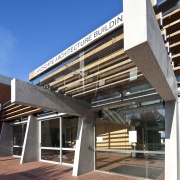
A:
[(106, 66), (85, 82), (171, 25)]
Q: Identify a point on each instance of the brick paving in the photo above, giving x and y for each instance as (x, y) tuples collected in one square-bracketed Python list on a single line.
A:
[(11, 169)]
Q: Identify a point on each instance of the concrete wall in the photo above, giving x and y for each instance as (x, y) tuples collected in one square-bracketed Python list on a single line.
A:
[(178, 138), (5, 80), (171, 141), (30, 151), (6, 140), (144, 44), (84, 155)]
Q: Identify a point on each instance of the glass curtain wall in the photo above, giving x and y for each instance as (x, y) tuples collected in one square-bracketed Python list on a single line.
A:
[(58, 139), (131, 141), (18, 138)]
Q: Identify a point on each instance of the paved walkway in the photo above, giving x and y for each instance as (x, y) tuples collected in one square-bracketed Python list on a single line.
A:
[(11, 169)]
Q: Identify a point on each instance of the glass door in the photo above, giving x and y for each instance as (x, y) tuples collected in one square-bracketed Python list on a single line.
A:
[(18, 138), (69, 135), (58, 139), (132, 142), (112, 146), (50, 140)]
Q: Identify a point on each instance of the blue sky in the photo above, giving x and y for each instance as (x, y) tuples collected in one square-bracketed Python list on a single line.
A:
[(34, 31)]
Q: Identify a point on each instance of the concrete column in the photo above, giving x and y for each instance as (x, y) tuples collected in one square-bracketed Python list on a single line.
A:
[(84, 154), (171, 141), (178, 140), (6, 140), (30, 151)]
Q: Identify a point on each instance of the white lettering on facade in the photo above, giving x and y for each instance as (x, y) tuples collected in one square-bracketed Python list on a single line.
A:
[(104, 29)]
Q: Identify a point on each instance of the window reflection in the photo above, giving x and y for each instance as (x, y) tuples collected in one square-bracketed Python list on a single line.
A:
[(69, 132), (17, 135), (68, 157), (17, 151), (18, 138), (115, 152), (52, 147), (50, 155), (50, 133)]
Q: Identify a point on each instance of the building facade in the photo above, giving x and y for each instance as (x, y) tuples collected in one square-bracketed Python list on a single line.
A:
[(109, 102)]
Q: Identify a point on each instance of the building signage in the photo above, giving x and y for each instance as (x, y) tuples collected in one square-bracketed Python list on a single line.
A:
[(99, 32)]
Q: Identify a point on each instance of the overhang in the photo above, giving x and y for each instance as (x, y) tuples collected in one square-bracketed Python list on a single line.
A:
[(144, 44), (27, 99)]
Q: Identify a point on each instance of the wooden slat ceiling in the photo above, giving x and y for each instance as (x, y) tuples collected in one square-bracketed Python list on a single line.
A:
[(17, 111)]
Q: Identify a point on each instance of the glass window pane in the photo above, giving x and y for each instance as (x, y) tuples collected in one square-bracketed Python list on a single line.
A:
[(50, 155), (68, 157), (50, 133), (118, 152), (17, 151), (17, 135), (69, 132), (102, 161)]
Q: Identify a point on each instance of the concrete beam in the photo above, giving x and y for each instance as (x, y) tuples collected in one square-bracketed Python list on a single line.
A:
[(38, 97), (143, 43)]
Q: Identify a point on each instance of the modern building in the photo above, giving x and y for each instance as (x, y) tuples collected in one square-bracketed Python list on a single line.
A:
[(109, 102)]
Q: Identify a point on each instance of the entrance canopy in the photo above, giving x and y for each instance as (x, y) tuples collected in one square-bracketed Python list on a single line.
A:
[(29, 99)]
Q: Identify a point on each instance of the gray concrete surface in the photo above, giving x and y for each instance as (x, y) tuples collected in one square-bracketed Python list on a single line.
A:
[(84, 160), (35, 96), (171, 141), (30, 151), (144, 44), (6, 141), (5, 79)]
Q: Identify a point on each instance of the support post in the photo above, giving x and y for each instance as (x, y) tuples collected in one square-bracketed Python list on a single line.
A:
[(84, 153), (6, 141), (171, 141), (30, 151)]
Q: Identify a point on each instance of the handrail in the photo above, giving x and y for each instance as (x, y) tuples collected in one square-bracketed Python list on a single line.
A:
[(129, 151)]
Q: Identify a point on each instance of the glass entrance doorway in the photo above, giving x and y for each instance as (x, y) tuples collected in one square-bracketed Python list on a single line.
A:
[(131, 142), (58, 139)]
